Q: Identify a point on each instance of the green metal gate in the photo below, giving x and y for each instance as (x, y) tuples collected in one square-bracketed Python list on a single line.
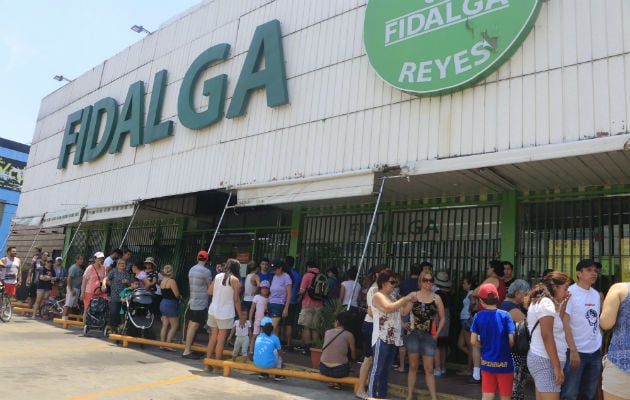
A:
[(459, 240), (557, 234)]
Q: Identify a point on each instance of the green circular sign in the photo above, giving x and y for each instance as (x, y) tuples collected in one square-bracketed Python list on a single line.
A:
[(433, 47)]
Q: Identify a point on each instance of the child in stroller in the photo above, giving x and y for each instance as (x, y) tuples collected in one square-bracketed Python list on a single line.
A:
[(138, 318)]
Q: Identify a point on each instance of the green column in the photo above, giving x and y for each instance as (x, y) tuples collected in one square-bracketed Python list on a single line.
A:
[(509, 226), (296, 230), (106, 238)]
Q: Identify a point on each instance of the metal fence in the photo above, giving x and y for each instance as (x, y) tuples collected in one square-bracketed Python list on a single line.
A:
[(557, 234)]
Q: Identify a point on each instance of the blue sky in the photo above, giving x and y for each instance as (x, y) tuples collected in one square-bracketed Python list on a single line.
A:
[(43, 38)]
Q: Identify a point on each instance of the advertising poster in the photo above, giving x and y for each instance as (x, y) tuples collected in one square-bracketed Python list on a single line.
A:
[(11, 174)]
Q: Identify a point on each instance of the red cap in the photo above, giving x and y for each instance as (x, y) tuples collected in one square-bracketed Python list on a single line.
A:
[(202, 255), (488, 291)]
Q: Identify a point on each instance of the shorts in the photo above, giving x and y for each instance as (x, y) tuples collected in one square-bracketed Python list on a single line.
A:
[(291, 319), (9, 288), (542, 371), (366, 331), (220, 323), (246, 306), (339, 371), (43, 291), (72, 301), (466, 324), (309, 317), (614, 380), (491, 380), (198, 316), (168, 308), (419, 342), (275, 310)]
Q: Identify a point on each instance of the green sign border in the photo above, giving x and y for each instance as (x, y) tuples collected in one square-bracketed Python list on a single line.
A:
[(484, 73)]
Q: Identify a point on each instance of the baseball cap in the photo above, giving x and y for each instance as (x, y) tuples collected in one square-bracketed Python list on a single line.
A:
[(264, 284), (202, 255), (276, 263), (58, 259), (99, 254), (488, 291), (266, 321), (586, 263)]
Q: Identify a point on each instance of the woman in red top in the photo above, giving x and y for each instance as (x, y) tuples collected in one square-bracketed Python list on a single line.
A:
[(92, 279)]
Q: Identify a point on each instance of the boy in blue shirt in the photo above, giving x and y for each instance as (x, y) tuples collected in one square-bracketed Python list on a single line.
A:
[(495, 330), (267, 349)]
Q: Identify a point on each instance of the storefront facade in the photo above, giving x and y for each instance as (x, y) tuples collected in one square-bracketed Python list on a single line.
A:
[(288, 106)]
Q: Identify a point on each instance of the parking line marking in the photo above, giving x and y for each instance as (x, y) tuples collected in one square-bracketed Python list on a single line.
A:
[(135, 387), (53, 350)]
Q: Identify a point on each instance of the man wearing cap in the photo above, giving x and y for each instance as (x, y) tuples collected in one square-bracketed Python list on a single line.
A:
[(581, 322), (199, 279), (92, 279), (310, 314)]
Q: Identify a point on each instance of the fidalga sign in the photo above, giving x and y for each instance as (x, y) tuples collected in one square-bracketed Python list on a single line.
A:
[(431, 47), (100, 128)]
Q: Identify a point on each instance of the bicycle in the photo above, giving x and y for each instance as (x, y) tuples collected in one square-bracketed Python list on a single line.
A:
[(53, 308), (6, 308)]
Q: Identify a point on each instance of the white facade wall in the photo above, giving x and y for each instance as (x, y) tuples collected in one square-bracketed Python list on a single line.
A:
[(568, 81)]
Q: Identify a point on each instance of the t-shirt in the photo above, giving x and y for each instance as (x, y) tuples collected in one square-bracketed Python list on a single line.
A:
[(348, 296), (278, 291), (308, 301), (109, 262), (368, 299), (494, 328), (408, 285), (296, 281), (199, 277), (508, 306), (546, 308), (46, 285), (244, 330), (265, 277), (336, 342), (261, 307), (584, 308), (266, 350), (76, 276), (115, 278)]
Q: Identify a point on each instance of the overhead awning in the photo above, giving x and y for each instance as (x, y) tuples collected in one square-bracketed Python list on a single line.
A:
[(60, 218), (28, 221), (359, 183), (99, 213)]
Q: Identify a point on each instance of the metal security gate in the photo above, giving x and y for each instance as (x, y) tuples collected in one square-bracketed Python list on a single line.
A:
[(557, 234), (338, 240), (459, 240)]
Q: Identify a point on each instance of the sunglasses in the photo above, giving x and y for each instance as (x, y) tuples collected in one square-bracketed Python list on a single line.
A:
[(425, 280), (394, 283)]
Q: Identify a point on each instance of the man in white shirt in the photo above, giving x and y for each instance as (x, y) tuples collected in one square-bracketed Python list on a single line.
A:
[(581, 321), (110, 261)]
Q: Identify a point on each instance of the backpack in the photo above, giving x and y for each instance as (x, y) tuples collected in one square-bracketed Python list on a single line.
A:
[(522, 337), (318, 290)]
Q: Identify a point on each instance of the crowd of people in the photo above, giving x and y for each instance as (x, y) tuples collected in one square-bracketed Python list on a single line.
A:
[(395, 323)]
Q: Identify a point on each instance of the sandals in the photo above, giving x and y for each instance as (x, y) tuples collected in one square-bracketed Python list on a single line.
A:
[(335, 386)]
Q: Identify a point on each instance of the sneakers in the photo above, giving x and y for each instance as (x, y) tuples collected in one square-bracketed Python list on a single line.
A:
[(298, 348), (280, 378), (473, 381), (191, 356), (263, 376)]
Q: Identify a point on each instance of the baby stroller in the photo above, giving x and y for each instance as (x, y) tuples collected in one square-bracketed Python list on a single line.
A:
[(138, 316), (97, 314)]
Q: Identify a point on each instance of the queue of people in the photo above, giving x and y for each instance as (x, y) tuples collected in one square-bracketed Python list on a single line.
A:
[(410, 317)]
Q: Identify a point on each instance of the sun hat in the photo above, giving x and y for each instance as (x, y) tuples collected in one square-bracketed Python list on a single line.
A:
[(441, 279), (149, 260)]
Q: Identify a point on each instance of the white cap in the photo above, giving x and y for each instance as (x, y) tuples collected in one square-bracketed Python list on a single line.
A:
[(99, 254), (58, 259)]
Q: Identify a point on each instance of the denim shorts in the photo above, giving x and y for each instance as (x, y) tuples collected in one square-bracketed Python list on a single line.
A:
[(340, 371), (419, 342), (168, 308), (275, 310)]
